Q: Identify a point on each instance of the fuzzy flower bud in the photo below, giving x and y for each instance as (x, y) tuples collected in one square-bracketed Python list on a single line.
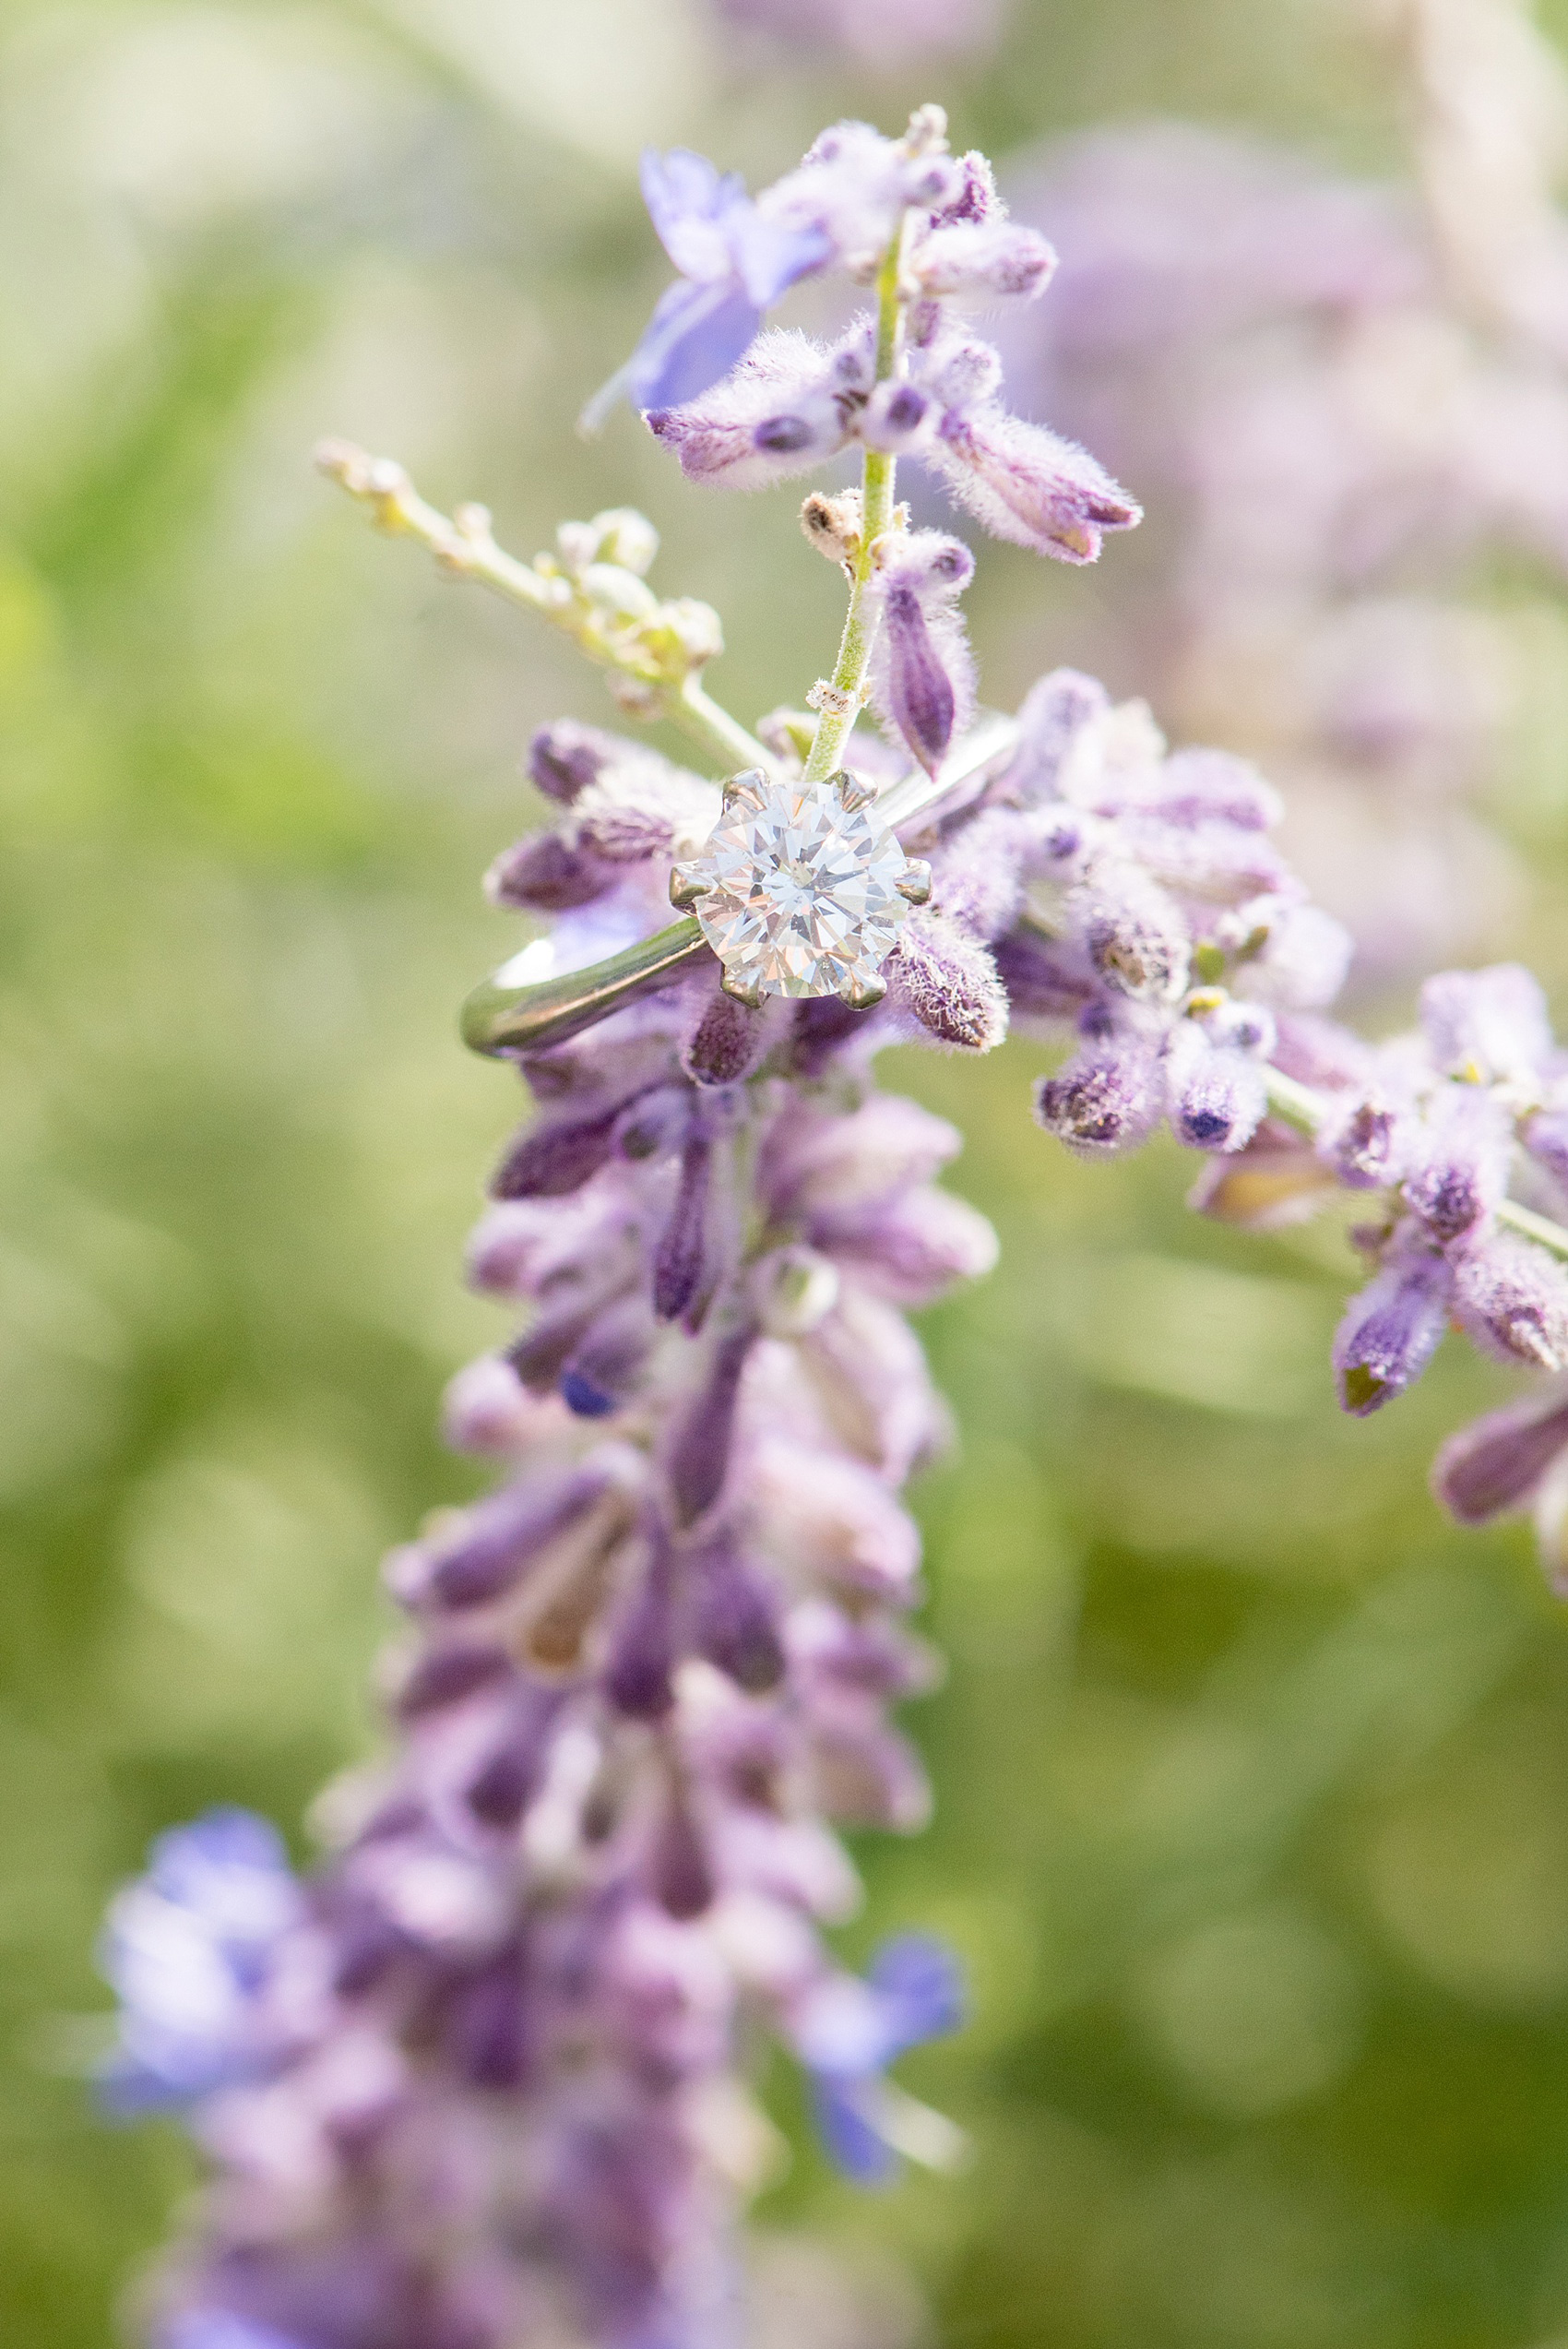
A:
[(735, 1620), (546, 876), (1513, 1300), (1391, 1331), (985, 259), (727, 1041), (778, 413), (1367, 1143), (1460, 1163), (958, 371), (1217, 1093), (1486, 1025), (564, 757), (949, 982), (699, 1452), (1028, 484), (1109, 1098), (923, 672), (897, 418), (1133, 933), (1497, 1463), (681, 1256), (495, 1542), (1054, 713)]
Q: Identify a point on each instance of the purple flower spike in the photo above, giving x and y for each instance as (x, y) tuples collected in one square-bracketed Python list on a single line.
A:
[(1391, 1331), (734, 264)]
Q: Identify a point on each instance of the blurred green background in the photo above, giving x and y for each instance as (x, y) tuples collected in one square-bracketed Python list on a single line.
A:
[(1253, 1776)]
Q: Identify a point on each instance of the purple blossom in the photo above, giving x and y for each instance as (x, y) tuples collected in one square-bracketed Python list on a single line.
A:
[(735, 263), (190, 1949), (1391, 1331), (486, 2076), (216, 2329), (1028, 484), (923, 672), (1498, 1463), (847, 2033)]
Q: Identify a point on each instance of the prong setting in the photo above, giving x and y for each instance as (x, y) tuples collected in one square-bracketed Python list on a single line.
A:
[(748, 788), (863, 994), (915, 886), (686, 885), (742, 990), (853, 793)]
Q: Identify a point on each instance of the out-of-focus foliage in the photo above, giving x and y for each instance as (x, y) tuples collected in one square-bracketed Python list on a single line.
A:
[(1253, 1776)]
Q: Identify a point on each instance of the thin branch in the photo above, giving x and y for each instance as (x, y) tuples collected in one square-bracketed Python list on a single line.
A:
[(635, 636)]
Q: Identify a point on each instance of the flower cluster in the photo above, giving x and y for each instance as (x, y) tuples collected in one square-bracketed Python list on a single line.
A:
[(1161, 921), (642, 1678), (791, 402)]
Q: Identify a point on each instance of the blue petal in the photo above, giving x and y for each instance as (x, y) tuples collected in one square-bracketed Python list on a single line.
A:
[(696, 335), (217, 2328), (580, 1396), (692, 210), (162, 2076), (181, 1861), (920, 1989), (771, 257), (851, 2142)]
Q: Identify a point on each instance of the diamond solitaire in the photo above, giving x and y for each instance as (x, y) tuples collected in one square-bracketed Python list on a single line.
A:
[(799, 890)]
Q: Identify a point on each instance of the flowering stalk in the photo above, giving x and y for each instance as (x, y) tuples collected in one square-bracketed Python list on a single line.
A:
[(484, 2077)]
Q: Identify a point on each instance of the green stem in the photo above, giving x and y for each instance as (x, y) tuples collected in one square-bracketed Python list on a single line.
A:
[(1298, 1106), (877, 470), (723, 737), (463, 546)]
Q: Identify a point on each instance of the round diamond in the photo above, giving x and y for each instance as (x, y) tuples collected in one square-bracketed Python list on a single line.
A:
[(800, 892)]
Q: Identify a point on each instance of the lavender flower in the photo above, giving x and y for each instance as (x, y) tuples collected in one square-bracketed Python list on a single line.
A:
[(735, 263), (486, 2075), (847, 2033), (922, 675), (191, 1950), (789, 404)]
